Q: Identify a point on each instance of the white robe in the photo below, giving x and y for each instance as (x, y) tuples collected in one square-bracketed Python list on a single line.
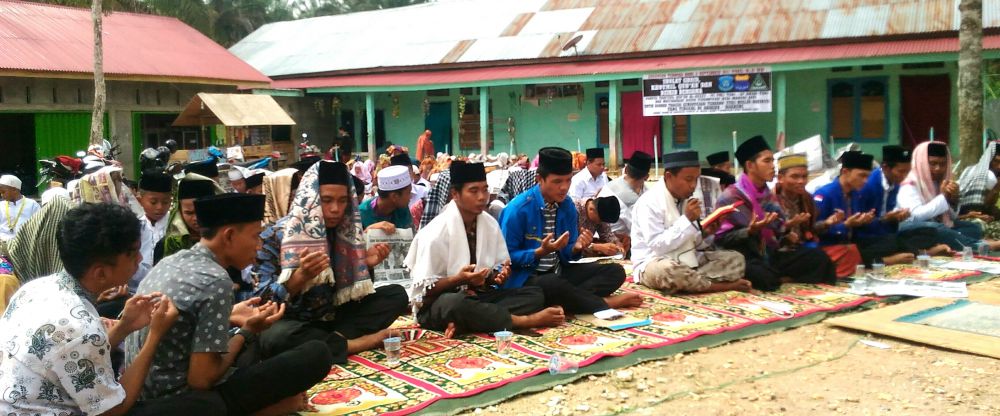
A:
[(441, 248), (584, 186), (661, 231), (624, 223), (909, 197), (9, 215)]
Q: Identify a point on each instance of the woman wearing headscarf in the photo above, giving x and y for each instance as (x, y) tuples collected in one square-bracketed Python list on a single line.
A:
[(314, 260), (933, 198), (979, 187)]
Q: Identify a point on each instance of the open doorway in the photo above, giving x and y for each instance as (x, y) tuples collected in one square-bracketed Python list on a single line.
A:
[(603, 130), (926, 104), (379, 131), (438, 121), (17, 139)]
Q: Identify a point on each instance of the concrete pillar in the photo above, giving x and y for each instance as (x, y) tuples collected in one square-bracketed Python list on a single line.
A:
[(614, 109), (484, 120), (780, 92), (370, 122)]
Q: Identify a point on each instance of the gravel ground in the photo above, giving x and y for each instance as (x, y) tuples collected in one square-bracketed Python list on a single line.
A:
[(815, 369)]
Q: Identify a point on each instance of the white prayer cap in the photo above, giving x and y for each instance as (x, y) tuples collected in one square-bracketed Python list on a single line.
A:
[(393, 178), (237, 172), (11, 181)]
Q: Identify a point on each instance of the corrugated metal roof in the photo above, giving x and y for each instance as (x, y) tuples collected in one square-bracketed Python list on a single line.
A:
[(658, 64), (233, 110), (44, 38), (463, 31)]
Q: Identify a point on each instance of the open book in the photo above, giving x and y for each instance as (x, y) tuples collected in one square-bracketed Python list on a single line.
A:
[(720, 212)]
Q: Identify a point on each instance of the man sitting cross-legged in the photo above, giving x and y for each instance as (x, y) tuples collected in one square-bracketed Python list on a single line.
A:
[(670, 248), (313, 260), (457, 260), (541, 230), (198, 352)]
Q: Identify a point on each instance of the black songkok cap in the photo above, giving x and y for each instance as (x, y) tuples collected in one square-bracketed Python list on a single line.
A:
[(681, 159), (401, 159), (467, 172), (640, 162), (937, 149), (154, 181), (725, 178), (195, 189), (856, 160), (556, 160), (608, 208), (717, 158), (225, 209), (595, 153), (750, 148), (895, 154), (306, 162), (206, 168), (254, 180), (333, 173)]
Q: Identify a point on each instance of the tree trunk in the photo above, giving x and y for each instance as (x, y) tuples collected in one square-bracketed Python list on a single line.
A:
[(970, 83), (100, 95)]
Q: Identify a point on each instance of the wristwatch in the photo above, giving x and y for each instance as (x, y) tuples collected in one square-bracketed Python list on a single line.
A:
[(248, 337)]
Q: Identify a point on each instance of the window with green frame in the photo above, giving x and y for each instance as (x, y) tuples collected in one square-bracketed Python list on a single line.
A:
[(858, 109)]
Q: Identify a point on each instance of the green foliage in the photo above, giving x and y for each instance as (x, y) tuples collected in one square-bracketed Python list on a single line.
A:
[(228, 21), (991, 79)]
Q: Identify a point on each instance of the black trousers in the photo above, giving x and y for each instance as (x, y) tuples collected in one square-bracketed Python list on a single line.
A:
[(367, 316), (802, 265), (187, 403), (485, 312), (252, 388), (874, 249), (580, 288)]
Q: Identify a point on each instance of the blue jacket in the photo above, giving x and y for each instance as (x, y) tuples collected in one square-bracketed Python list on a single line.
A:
[(523, 226), (829, 198), (871, 198)]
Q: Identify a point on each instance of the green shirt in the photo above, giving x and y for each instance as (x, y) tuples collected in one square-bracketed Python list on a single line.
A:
[(401, 217)]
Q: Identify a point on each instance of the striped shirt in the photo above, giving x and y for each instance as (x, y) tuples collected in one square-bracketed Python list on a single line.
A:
[(549, 262)]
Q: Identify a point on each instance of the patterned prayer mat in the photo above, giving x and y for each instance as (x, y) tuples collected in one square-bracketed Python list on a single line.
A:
[(435, 368), (910, 271)]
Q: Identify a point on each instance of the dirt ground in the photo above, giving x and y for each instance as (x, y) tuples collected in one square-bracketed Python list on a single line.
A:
[(815, 369)]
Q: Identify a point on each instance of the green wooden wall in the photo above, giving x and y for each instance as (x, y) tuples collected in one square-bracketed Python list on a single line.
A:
[(564, 120)]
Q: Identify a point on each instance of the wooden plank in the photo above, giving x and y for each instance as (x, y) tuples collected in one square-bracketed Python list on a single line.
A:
[(883, 321)]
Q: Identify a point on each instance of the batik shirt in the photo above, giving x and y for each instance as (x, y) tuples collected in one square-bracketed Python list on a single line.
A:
[(602, 230), (54, 352), (203, 293)]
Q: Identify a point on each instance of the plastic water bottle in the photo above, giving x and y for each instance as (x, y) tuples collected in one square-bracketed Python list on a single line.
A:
[(561, 365)]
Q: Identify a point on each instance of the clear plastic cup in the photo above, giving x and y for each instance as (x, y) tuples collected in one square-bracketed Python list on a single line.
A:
[(561, 365), (860, 272), (393, 350), (878, 270), (923, 260), (984, 249), (503, 342), (967, 254)]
